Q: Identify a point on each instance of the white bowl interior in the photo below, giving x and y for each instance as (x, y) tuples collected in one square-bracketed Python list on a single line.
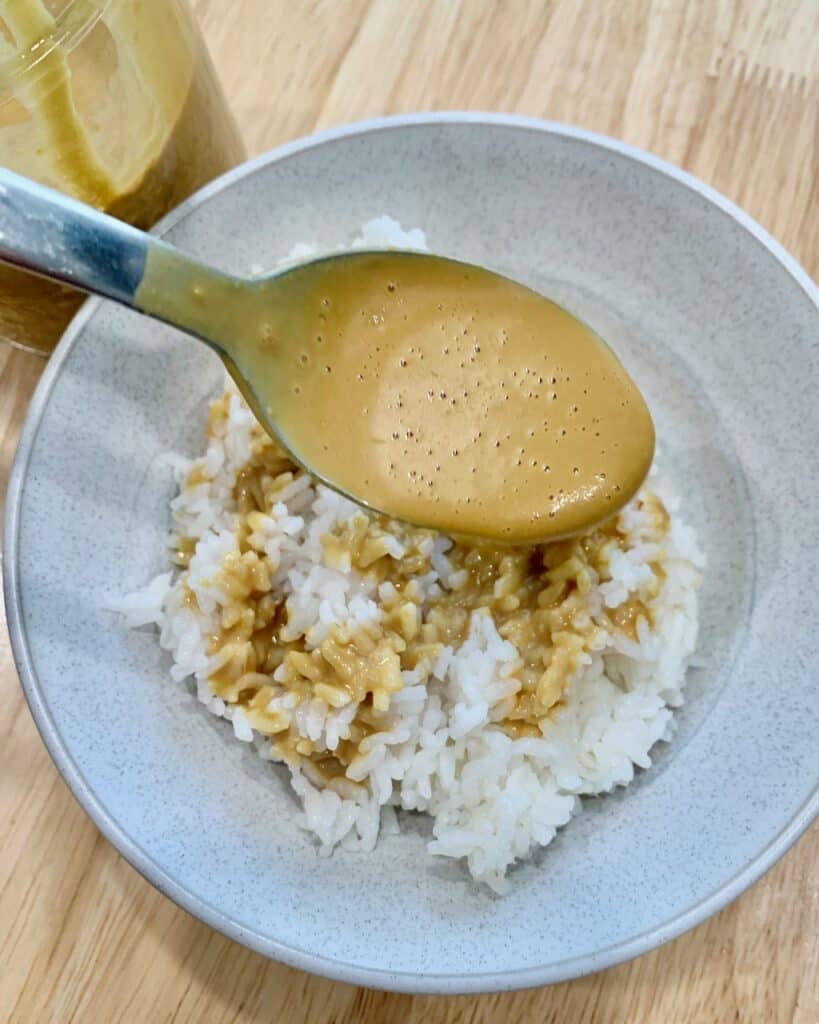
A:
[(716, 332)]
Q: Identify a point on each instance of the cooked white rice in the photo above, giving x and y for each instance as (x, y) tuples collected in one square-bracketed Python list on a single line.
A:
[(442, 746)]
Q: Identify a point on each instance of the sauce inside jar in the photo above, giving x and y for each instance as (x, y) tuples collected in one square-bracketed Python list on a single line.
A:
[(114, 103)]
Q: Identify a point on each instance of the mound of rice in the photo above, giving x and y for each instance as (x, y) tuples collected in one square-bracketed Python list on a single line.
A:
[(390, 667)]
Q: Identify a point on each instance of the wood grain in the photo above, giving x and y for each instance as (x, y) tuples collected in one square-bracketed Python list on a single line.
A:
[(726, 88)]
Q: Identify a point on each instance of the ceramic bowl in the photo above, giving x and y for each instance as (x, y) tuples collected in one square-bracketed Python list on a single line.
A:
[(717, 324)]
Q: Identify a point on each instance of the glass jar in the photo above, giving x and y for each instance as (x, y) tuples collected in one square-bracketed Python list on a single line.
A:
[(115, 102)]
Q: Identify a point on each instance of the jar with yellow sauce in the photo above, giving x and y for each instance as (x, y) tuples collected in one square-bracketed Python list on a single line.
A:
[(114, 102)]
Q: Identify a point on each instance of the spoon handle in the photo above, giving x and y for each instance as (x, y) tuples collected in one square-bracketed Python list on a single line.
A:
[(60, 238)]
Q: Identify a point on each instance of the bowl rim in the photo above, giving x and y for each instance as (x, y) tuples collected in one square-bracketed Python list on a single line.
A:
[(208, 913)]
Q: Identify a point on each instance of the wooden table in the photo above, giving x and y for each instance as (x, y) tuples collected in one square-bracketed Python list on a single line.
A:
[(727, 89)]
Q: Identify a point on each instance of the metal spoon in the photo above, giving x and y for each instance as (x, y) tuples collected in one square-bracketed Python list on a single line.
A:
[(261, 327)]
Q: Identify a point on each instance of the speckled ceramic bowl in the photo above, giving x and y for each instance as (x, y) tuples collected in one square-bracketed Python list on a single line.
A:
[(719, 327)]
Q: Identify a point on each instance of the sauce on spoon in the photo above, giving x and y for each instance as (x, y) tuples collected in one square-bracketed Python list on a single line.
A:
[(435, 392)]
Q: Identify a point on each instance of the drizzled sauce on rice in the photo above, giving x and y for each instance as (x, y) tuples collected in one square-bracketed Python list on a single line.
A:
[(537, 595)]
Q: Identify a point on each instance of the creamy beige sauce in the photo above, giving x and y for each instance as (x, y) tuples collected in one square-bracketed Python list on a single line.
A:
[(435, 392)]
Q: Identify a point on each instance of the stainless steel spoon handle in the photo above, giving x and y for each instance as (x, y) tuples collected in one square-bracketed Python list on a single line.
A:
[(51, 234), (47, 232)]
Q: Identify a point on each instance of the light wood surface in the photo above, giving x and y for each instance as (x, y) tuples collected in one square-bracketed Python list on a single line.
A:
[(726, 88)]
